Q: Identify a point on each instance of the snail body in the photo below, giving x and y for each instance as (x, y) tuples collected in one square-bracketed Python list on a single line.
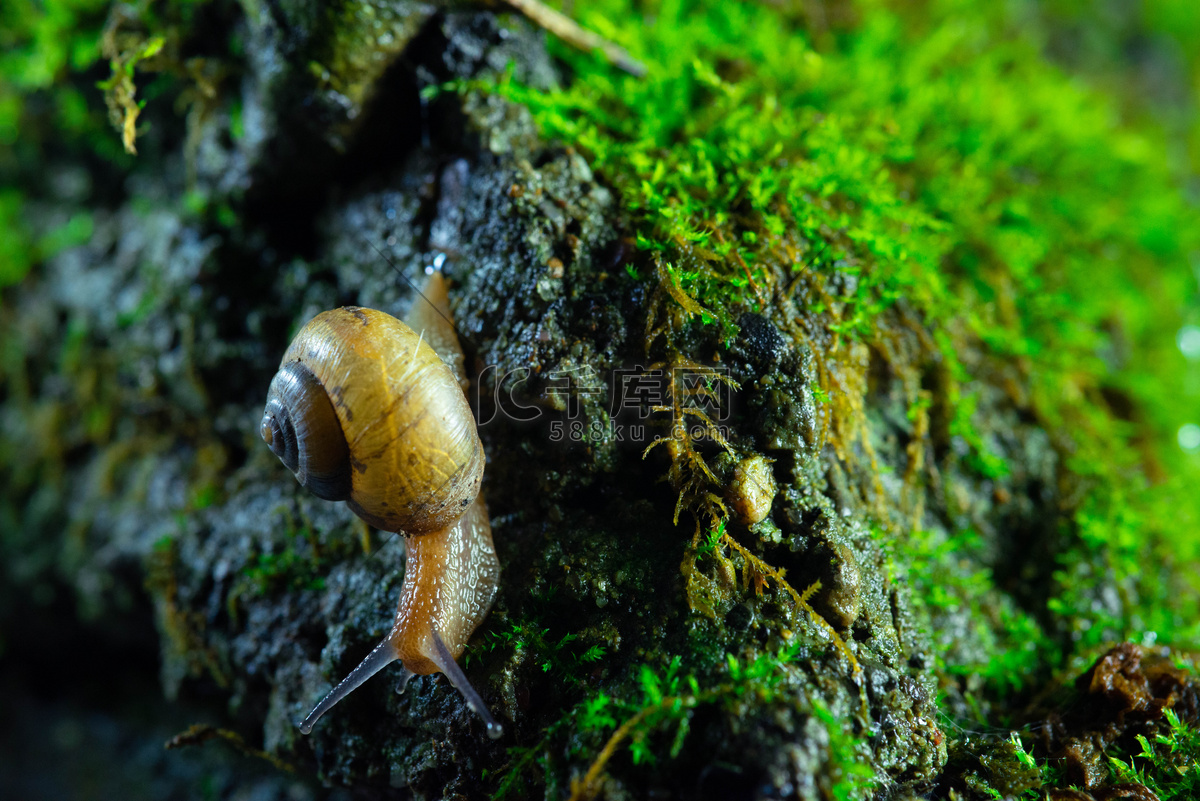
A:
[(365, 410)]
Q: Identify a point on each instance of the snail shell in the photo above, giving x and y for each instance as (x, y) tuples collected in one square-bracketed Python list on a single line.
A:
[(363, 410)]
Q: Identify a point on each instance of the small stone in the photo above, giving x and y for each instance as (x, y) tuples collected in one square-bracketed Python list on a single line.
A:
[(752, 490), (840, 598)]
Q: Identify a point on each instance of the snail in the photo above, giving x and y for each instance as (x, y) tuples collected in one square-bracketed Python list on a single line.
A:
[(369, 410)]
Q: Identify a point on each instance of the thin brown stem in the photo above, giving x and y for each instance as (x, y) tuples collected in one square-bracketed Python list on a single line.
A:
[(584, 789), (570, 32)]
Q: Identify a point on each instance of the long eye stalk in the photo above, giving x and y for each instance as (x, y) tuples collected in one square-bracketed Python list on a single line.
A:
[(383, 655)]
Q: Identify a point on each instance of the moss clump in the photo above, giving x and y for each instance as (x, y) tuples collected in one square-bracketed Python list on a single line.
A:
[(40, 45), (364, 40), (654, 724), (925, 167), (16, 251), (288, 570), (1168, 765)]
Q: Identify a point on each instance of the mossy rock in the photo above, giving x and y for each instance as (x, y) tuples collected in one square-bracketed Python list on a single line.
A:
[(829, 375)]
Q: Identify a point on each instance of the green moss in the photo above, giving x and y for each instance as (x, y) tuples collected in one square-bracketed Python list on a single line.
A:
[(1169, 765), (568, 657), (931, 160), (929, 157), (955, 171), (1001, 768), (366, 36), (16, 246), (649, 723), (995, 654), (40, 42), (148, 38), (20, 249), (127, 54), (274, 572), (43, 48), (299, 560)]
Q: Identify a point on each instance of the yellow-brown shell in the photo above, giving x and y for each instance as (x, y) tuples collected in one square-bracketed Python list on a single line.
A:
[(416, 462)]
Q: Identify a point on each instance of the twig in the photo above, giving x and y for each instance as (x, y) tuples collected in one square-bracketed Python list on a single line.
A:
[(581, 790), (200, 732), (801, 600), (569, 31)]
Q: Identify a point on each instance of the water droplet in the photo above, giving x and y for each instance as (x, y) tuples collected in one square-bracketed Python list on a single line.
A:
[(1188, 340), (1189, 437)]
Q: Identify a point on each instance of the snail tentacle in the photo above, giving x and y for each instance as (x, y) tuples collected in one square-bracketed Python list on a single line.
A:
[(380, 657), (442, 658)]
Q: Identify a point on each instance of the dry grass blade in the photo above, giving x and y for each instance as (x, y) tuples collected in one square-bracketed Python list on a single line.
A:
[(570, 32)]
